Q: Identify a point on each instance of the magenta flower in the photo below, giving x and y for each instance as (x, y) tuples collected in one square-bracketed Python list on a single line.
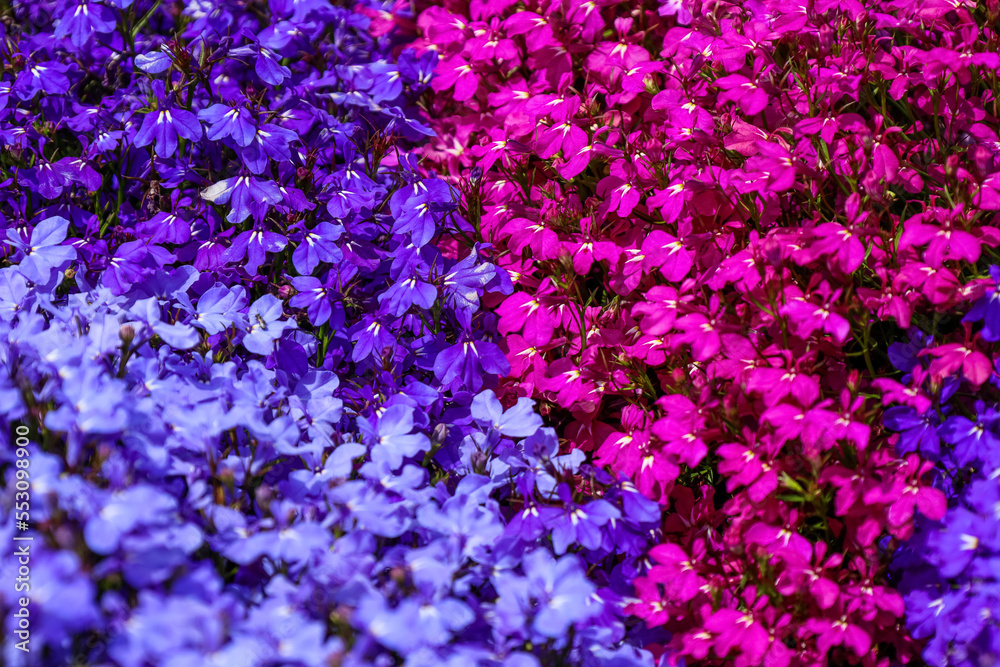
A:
[(954, 357), (456, 72), (776, 164), (836, 630), (621, 195), (817, 313), (666, 253), (738, 88)]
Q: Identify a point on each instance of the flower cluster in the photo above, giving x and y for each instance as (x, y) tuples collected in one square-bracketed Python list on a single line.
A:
[(259, 384), (947, 571), (718, 218)]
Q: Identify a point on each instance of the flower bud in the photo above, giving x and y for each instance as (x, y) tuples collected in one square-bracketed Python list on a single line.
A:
[(982, 158), (263, 496), (951, 165), (478, 460), (64, 537), (854, 381), (439, 434), (476, 175), (286, 292), (827, 36), (126, 332)]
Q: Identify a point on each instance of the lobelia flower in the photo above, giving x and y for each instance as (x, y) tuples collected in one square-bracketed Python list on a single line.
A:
[(229, 121), (466, 361), (81, 20), (246, 196), (254, 244), (44, 251), (269, 141), (405, 293), (165, 124), (265, 325), (319, 300)]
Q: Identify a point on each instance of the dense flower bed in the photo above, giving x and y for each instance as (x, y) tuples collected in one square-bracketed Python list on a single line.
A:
[(719, 219), (259, 391), (499, 333)]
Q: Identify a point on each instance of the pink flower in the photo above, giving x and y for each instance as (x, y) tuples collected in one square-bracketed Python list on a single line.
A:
[(671, 200), (584, 254), (567, 381), (622, 193), (702, 331), (456, 72), (811, 425), (676, 571), (566, 138), (738, 88), (816, 313), (777, 383), (807, 577), (894, 392), (489, 43), (499, 148), (949, 358), (905, 492), (781, 542), (658, 312), (526, 359), (524, 312), (938, 285), (746, 465), (836, 630), (843, 243), (536, 29), (667, 253), (739, 630), (943, 240), (775, 164)]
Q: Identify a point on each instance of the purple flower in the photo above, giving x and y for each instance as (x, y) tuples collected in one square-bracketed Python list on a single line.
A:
[(466, 361), (254, 244), (392, 438), (319, 299), (80, 21), (371, 338), (125, 267), (416, 209), (987, 309), (519, 421), (265, 325), (555, 595), (580, 524), (405, 293), (155, 62), (219, 308), (269, 141), (48, 77), (917, 432), (229, 121), (248, 196), (318, 245), (164, 126), (965, 533), (266, 64), (973, 440), (44, 252)]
